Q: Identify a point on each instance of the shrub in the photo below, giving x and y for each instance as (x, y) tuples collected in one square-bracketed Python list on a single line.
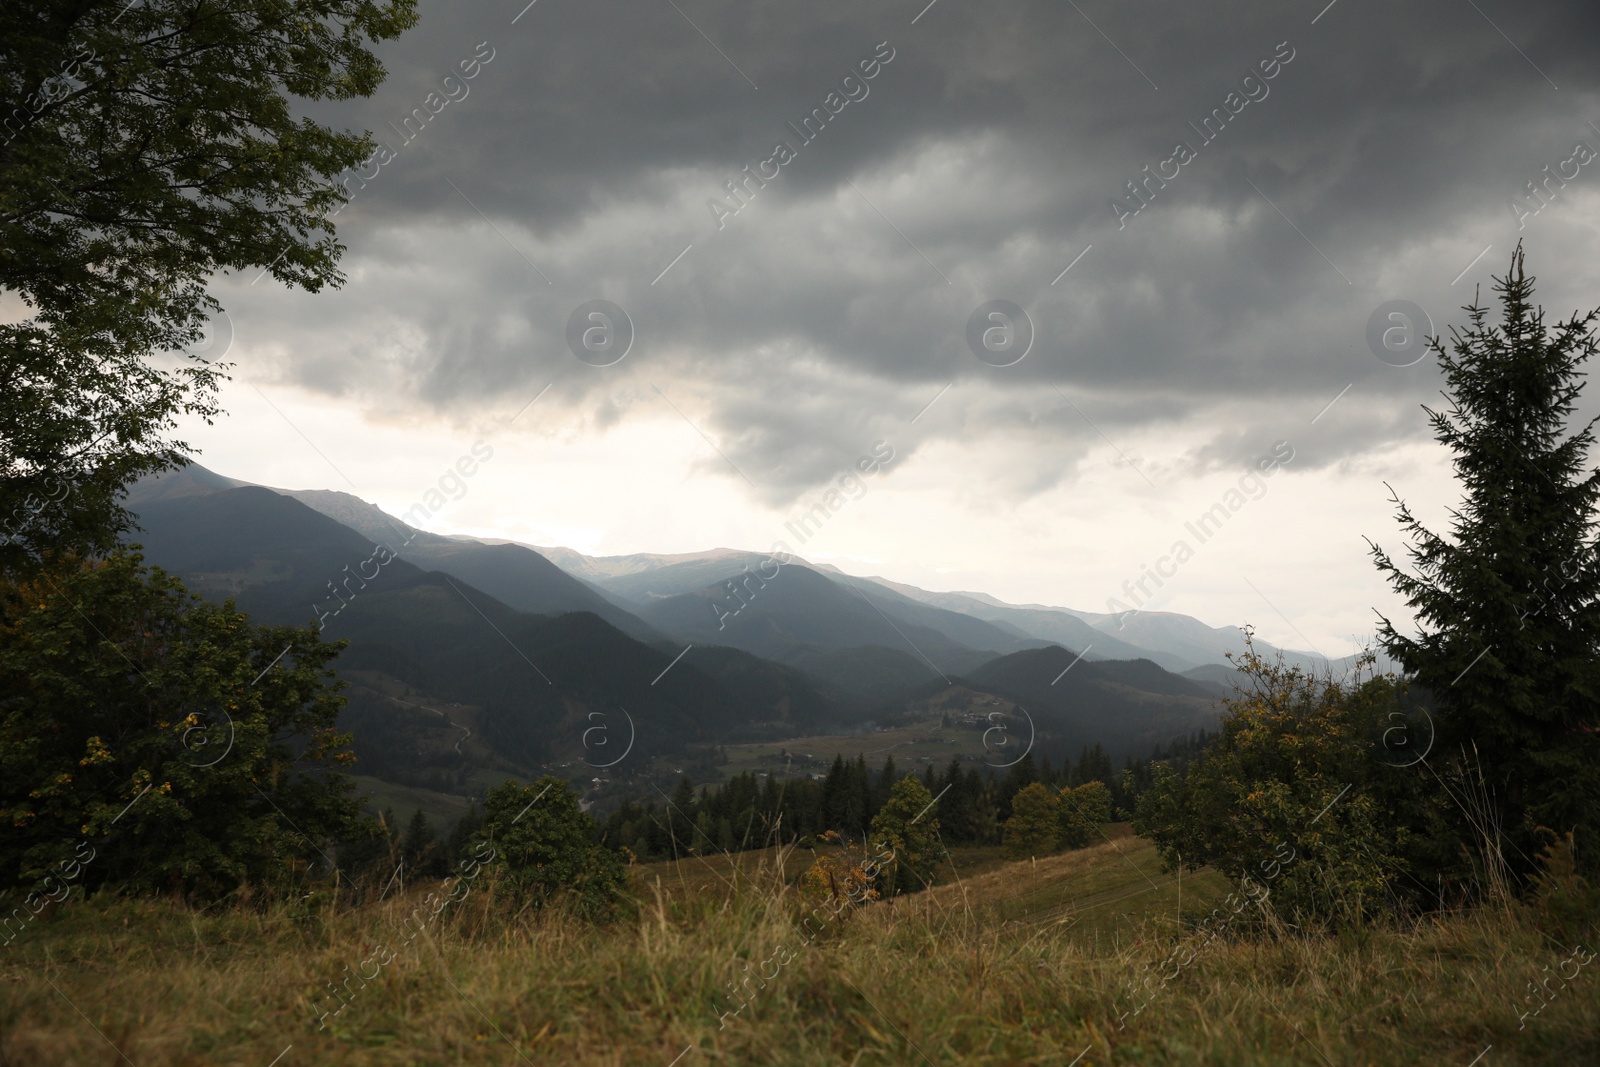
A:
[(1565, 906), (1295, 797), (839, 875), (546, 850)]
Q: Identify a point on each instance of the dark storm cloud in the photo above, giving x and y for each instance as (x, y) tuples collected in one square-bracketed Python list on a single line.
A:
[(980, 160)]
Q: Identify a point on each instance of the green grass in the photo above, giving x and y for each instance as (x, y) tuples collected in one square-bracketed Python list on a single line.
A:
[(1014, 963), (442, 809), (907, 744)]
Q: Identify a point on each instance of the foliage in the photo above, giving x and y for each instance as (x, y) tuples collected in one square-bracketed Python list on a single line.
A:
[(1507, 604), (1082, 812), (547, 850), (145, 147), (181, 745), (1294, 796), (1565, 904), (419, 849), (1032, 828), (908, 829), (839, 874)]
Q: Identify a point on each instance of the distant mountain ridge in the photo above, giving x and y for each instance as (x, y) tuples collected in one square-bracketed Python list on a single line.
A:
[(474, 654), (630, 592), (526, 685)]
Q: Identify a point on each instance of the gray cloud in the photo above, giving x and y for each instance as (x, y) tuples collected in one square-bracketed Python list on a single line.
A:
[(980, 162)]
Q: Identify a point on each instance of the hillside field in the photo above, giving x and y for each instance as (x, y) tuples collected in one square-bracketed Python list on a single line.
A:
[(913, 747), (1004, 963)]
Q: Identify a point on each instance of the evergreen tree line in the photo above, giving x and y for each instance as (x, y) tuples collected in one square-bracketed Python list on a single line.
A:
[(973, 804), (416, 852)]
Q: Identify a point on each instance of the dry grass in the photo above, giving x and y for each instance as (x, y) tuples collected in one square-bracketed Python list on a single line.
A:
[(1017, 964)]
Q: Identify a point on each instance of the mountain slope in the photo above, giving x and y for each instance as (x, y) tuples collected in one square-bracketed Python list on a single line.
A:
[(1128, 707), (1044, 625), (519, 576), (527, 684), (799, 612), (644, 580), (1174, 641)]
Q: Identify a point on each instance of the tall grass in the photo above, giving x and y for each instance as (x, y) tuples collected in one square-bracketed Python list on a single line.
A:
[(1026, 963)]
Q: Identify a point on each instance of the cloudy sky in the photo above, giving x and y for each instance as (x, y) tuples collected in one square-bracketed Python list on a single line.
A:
[(1358, 154)]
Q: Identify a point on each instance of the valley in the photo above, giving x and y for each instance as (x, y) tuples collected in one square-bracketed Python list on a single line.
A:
[(472, 661)]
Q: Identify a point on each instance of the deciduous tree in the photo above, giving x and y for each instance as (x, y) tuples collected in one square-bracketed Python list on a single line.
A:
[(1031, 830), (907, 828), (1083, 811), (146, 146), (192, 749)]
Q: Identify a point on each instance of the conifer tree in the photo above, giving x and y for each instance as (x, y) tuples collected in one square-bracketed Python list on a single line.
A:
[(834, 788), (856, 796), (681, 812), (461, 833), (418, 841), (881, 787), (1506, 604)]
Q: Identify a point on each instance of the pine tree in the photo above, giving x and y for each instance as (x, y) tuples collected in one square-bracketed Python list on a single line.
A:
[(1506, 605), (856, 797), (680, 814), (418, 840), (461, 834), (1093, 766), (881, 787), (985, 809), (834, 788), (703, 827)]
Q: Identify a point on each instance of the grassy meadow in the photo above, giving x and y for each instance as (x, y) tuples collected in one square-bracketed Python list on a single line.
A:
[(1002, 963)]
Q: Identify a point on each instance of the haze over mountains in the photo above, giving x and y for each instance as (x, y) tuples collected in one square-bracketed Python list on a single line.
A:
[(471, 655)]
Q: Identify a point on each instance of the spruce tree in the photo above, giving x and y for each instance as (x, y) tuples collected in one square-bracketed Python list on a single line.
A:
[(834, 788), (461, 833), (857, 797), (681, 813), (880, 788), (1506, 604), (419, 839)]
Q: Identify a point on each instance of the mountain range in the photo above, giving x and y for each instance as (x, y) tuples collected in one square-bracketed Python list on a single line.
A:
[(470, 657)]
